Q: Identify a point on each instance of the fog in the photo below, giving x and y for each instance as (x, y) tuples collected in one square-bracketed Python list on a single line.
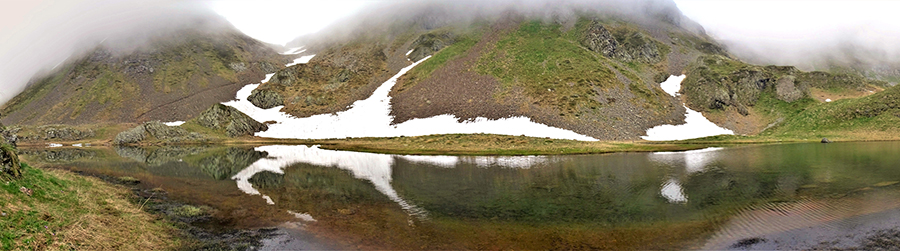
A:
[(39, 35), (807, 34), (36, 36), (385, 16)]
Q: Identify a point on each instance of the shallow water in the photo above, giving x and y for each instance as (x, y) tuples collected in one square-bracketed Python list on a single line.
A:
[(791, 196)]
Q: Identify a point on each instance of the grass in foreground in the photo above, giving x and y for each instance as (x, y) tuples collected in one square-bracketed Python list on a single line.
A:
[(69, 212)]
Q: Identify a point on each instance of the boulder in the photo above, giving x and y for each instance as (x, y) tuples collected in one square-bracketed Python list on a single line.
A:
[(826, 140), (265, 99), (233, 122)]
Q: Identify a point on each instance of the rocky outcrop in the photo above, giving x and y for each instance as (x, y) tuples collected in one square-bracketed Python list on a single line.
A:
[(265, 99), (623, 44), (158, 132), (786, 90), (233, 122), (428, 44), (9, 163)]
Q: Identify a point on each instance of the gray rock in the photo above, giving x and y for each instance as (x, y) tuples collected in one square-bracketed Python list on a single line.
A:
[(599, 39), (786, 90), (161, 132), (428, 44), (826, 140), (130, 136), (234, 122), (64, 132), (265, 98), (625, 45)]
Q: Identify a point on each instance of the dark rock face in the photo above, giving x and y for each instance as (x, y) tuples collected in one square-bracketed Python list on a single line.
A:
[(265, 99), (429, 43), (158, 130), (9, 163), (234, 122), (622, 44), (599, 39)]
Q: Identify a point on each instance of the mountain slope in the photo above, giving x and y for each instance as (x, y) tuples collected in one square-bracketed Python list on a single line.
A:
[(174, 77), (594, 73)]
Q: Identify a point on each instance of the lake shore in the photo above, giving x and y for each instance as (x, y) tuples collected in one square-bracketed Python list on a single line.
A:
[(488, 144)]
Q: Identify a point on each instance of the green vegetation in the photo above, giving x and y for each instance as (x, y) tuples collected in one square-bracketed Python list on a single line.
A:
[(489, 144), (873, 117), (424, 70), (551, 69), (60, 210), (40, 89)]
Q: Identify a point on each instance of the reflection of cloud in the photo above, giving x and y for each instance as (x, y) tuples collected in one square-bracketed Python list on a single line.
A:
[(693, 161), (376, 168), (673, 192)]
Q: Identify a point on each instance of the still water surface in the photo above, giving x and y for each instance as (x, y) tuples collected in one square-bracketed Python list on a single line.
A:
[(791, 196)]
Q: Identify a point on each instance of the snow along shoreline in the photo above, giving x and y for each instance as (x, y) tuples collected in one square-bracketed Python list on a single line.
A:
[(371, 118), (695, 124)]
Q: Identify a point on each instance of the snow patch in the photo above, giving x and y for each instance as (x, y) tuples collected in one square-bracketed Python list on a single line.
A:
[(371, 118), (672, 85), (409, 52), (78, 145), (174, 123), (54, 145), (827, 100), (301, 60), (695, 124), (294, 51), (303, 216)]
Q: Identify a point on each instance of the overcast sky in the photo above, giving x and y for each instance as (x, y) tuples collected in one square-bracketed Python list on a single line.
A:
[(38, 34)]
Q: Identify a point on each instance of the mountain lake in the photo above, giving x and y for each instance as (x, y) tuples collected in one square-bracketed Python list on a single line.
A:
[(782, 196)]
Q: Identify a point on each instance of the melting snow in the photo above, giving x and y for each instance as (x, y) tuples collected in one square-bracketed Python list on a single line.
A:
[(301, 60), (695, 126), (827, 100), (409, 52), (371, 118), (54, 145), (293, 51), (174, 123)]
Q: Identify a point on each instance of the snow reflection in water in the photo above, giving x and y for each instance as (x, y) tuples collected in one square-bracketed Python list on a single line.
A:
[(375, 168), (692, 161)]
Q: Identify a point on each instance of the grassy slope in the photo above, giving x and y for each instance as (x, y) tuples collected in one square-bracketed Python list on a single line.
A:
[(70, 212), (424, 70), (873, 117)]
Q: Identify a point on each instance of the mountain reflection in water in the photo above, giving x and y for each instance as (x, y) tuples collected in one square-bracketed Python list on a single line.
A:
[(711, 198)]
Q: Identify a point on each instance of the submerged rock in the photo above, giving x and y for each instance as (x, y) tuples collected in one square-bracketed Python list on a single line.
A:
[(234, 122)]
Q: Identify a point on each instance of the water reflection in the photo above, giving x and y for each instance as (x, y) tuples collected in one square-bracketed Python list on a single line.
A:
[(707, 198)]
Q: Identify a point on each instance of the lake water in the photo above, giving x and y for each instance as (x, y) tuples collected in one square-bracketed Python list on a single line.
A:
[(791, 196)]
